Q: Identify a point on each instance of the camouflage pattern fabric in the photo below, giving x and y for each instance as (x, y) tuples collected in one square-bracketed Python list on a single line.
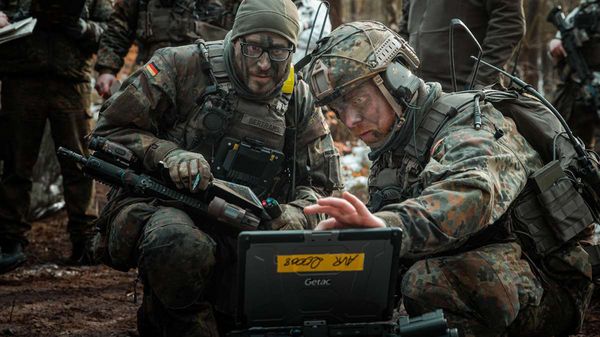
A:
[(51, 51), (129, 23), (188, 264), (489, 291), (66, 106), (369, 55), (46, 77), (468, 184)]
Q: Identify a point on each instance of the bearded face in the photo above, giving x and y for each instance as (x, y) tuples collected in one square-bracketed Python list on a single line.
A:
[(262, 61)]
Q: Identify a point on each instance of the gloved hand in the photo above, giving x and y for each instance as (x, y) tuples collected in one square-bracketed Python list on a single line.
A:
[(75, 29), (291, 218), (188, 170)]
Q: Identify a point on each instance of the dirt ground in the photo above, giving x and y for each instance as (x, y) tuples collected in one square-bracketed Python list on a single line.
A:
[(46, 297)]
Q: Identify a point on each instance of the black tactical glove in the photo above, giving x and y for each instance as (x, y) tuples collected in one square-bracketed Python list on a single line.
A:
[(75, 29), (291, 218), (188, 170)]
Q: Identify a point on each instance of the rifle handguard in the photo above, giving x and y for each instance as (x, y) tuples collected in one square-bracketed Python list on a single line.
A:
[(232, 214)]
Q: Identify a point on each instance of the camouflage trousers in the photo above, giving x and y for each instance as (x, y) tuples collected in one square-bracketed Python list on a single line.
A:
[(27, 103), (180, 266), (492, 291), (581, 119)]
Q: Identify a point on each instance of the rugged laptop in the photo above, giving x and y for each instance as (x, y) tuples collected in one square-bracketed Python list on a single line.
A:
[(293, 278)]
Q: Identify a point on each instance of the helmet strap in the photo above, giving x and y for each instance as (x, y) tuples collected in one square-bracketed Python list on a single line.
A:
[(388, 96)]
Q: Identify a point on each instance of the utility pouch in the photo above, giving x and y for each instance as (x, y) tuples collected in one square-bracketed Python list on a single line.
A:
[(564, 208), (550, 212), (531, 226), (247, 162)]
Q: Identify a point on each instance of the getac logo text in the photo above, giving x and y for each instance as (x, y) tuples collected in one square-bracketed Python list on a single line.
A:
[(309, 282)]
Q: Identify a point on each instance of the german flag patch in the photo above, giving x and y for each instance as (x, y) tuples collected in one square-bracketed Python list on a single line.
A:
[(152, 69)]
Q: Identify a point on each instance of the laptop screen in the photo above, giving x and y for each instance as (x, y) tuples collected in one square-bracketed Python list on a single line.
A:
[(287, 278)]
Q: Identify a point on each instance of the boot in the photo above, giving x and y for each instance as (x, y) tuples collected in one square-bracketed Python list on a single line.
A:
[(81, 254), (11, 256)]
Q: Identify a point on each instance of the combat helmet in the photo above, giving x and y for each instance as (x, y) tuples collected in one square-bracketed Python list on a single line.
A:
[(360, 51)]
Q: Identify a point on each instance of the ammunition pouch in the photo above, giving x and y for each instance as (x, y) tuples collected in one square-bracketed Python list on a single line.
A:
[(565, 210), (248, 162), (549, 218)]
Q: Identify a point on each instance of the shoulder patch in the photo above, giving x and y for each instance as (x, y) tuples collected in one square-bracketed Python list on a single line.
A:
[(152, 69)]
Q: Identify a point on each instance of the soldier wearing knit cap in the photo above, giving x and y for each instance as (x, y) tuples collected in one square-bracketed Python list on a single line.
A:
[(165, 114)]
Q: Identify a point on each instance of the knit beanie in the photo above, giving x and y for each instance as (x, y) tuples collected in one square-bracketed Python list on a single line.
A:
[(276, 16)]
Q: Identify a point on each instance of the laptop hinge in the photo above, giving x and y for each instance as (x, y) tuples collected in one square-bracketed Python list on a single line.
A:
[(315, 329)]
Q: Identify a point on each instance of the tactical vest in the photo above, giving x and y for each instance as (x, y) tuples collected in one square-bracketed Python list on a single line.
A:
[(163, 23), (246, 138), (394, 175), (543, 221)]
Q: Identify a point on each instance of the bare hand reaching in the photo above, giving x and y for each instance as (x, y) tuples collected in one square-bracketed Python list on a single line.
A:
[(4, 21), (345, 212), (103, 84), (557, 50)]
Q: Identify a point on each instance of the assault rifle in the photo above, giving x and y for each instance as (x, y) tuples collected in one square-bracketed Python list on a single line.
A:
[(572, 39), (432, 324), (232, 204)]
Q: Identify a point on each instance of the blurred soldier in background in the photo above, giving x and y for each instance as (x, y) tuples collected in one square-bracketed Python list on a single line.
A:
[(498, 25), (571, 98), (47, 76), (154, 24)]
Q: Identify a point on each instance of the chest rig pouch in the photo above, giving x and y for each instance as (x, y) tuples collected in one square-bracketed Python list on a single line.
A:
[(247, 138)]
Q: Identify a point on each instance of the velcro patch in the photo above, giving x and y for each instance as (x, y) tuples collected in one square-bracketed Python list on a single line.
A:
[(262, 124), (152, 69)]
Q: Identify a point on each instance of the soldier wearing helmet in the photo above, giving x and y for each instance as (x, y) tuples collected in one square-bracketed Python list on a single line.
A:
[(229, 108), (446, 170)]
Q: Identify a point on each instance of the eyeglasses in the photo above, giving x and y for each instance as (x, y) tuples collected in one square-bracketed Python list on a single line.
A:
[(277, 54)]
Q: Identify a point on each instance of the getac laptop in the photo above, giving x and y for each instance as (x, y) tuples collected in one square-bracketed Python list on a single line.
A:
[(292, 278)]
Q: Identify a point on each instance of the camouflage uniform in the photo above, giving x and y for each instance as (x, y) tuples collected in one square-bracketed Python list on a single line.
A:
[(187, 264), (451, 188), (154, 24), (568, 98), (498, 25), (457, 260), (47, 76)]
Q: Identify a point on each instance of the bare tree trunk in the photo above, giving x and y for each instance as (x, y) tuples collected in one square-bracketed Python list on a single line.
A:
[(335, 13)]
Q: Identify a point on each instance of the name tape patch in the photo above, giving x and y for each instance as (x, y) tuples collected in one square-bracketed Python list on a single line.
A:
[(307, 263)]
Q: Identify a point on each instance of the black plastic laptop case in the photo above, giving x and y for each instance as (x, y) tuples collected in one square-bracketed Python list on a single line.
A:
[(289, 278)]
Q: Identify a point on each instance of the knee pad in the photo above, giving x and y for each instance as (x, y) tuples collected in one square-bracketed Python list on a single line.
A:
[(176, 258), (124, 234)]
